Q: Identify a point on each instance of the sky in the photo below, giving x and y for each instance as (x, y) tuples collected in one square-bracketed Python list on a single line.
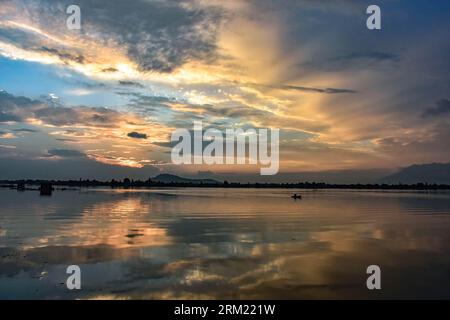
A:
[(102, 102)]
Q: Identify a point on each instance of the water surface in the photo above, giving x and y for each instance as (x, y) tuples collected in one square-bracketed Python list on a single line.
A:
[(224, 244)]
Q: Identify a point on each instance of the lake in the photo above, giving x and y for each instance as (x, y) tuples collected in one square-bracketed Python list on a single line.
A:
[(198, 243)]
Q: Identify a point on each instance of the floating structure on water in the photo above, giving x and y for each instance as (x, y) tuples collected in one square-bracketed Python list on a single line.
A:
[(21, 186), (46, 189)]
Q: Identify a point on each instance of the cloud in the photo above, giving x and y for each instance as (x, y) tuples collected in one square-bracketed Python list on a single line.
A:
[(23, 109), (373, 55), (25, 130), (432, 146), (353, 61), (130, 84), (66, 153), (13, 109), (63, 56), (137, 135), (442, 107), (262, 118), (168, 33), (101, 133), (318, 90), (5, 117), (7, 135), (89, 116), (302, 88), (183, 113), (109, 70), (7, 146), (89, 85)]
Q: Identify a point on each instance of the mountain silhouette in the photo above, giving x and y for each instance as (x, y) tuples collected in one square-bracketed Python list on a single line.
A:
[(421, 173), (170, 178)]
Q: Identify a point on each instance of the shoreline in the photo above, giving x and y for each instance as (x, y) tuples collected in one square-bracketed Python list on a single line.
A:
[(21, 185)]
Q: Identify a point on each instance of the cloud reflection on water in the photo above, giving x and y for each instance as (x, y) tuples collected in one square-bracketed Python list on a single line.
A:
[(162, 244)]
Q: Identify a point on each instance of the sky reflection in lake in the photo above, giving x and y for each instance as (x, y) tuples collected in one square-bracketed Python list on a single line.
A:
[(224, 243)]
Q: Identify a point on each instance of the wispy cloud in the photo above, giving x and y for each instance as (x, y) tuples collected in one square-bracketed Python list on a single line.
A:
[(307, 89), (65, 153)]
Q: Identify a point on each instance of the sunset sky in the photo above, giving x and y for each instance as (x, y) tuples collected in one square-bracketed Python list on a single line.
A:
[(102, 102)]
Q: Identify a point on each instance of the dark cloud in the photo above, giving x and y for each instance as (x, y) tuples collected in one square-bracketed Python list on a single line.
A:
[(442, 107), (89, 85), (342, 6), (18, 37), (142, 99), (146, 104), (32, 41), (19, 109), (168, 34), (137, 135), (109, 70), (64, 56), (4, 117), (353, 60), (157, 35), (374, 55), (131, 84), (303, 88), (14, 108), (61, 116), (25, 130), (9, 102), (66, 153), (318, 90)]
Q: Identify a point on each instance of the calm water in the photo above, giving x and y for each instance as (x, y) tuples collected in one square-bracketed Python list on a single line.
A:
[(227, 244)]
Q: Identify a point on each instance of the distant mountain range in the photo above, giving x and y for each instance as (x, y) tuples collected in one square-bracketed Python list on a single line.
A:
[(435, 176), (427, 173), (438, 173), (170, 178)]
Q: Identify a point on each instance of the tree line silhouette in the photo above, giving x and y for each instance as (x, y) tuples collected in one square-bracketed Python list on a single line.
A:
[(149, 183)]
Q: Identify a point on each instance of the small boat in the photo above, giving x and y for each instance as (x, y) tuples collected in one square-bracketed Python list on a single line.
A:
[(296, 196)]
